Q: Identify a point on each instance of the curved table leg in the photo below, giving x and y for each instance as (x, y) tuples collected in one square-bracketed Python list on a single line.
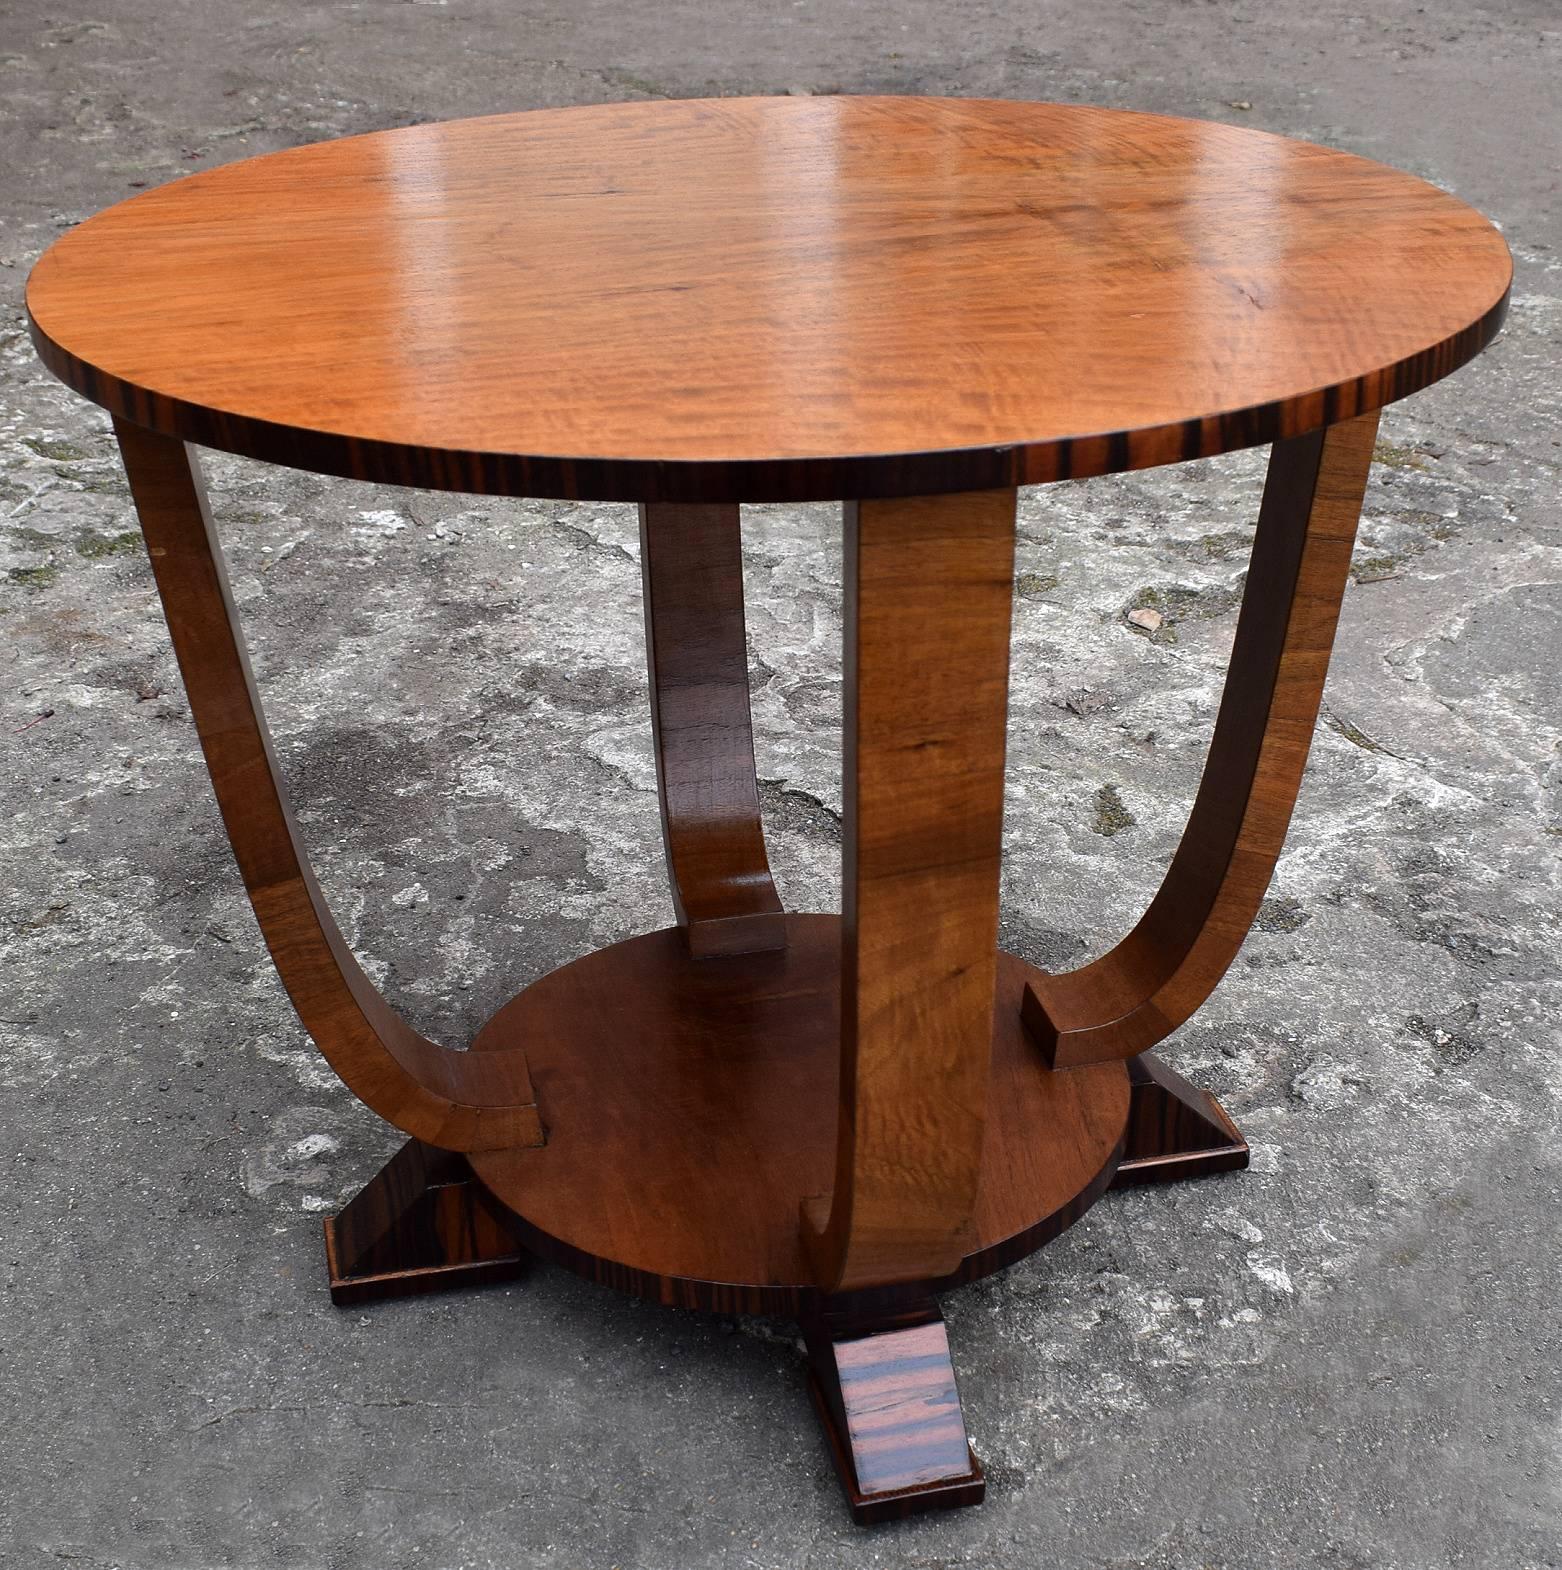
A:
[(691, 562), (1154, 980), (929, 584), (456, 1100)]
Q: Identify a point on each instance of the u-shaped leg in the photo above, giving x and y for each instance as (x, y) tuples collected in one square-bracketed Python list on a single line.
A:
[(691, 563), (1154, 980), (454, 1100), (929, 584)]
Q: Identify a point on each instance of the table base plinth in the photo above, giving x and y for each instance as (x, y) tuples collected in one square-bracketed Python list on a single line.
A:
[(690, 1107)]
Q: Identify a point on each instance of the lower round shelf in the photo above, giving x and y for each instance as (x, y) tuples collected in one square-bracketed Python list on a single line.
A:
[(690, 1107)]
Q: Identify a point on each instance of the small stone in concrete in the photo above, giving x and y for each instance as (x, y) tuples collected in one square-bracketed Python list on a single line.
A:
[(1143, 616)]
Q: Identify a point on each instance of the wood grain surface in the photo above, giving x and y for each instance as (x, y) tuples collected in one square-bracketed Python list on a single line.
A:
[(929, 586), (456, 1100), (1155, 978), (691, 565), (887, 1397), (1175, 1130), (749, 299), (421, 1224), (691, 1105)]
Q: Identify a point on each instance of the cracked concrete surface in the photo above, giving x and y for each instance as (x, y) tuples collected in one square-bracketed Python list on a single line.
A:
[(1347, 1357)]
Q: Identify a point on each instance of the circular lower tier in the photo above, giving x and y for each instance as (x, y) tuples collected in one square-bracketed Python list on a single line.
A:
[(690, 1106)]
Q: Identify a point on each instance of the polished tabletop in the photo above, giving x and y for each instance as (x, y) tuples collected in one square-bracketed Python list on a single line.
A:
[(742, 299)]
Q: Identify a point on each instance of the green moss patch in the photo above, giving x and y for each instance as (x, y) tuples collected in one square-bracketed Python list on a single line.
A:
[(1376, 568), (1111, 816), (1393, 457), (1177, 603), (34, 577), (1355, 736), (1430, 529), (55, 451), (1032, 585), (105, 484), (1214, 547), (96, 546), (1281, 914)]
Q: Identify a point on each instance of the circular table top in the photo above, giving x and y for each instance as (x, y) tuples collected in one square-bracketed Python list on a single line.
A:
[(788, 298)]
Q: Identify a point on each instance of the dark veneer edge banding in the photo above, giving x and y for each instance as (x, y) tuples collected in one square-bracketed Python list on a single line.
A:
[(889, 1404), (728, 1297), (423, 1223), (1175, 1130), (804, 479)]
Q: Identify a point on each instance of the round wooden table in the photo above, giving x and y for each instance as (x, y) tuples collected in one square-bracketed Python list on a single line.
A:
[(914, 305)]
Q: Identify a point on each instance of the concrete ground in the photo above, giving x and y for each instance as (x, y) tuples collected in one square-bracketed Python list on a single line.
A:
[(1346, 1358)]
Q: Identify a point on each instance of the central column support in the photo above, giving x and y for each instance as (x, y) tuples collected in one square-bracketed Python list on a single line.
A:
[(928, 593)]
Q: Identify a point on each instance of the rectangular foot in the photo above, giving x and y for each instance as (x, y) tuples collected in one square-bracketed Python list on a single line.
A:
[(891, 1412), (369, 1286), (1175, 1130), (423, 1225)]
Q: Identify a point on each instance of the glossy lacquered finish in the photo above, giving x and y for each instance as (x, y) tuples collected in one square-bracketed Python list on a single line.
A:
[(691, 1105), (1175, 1130), (453, 1099), (879, 1365), (423, 1225), (887, 1396), (751, 299), (1146, 986), (923, 771), (691, 564), (912, 305)]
